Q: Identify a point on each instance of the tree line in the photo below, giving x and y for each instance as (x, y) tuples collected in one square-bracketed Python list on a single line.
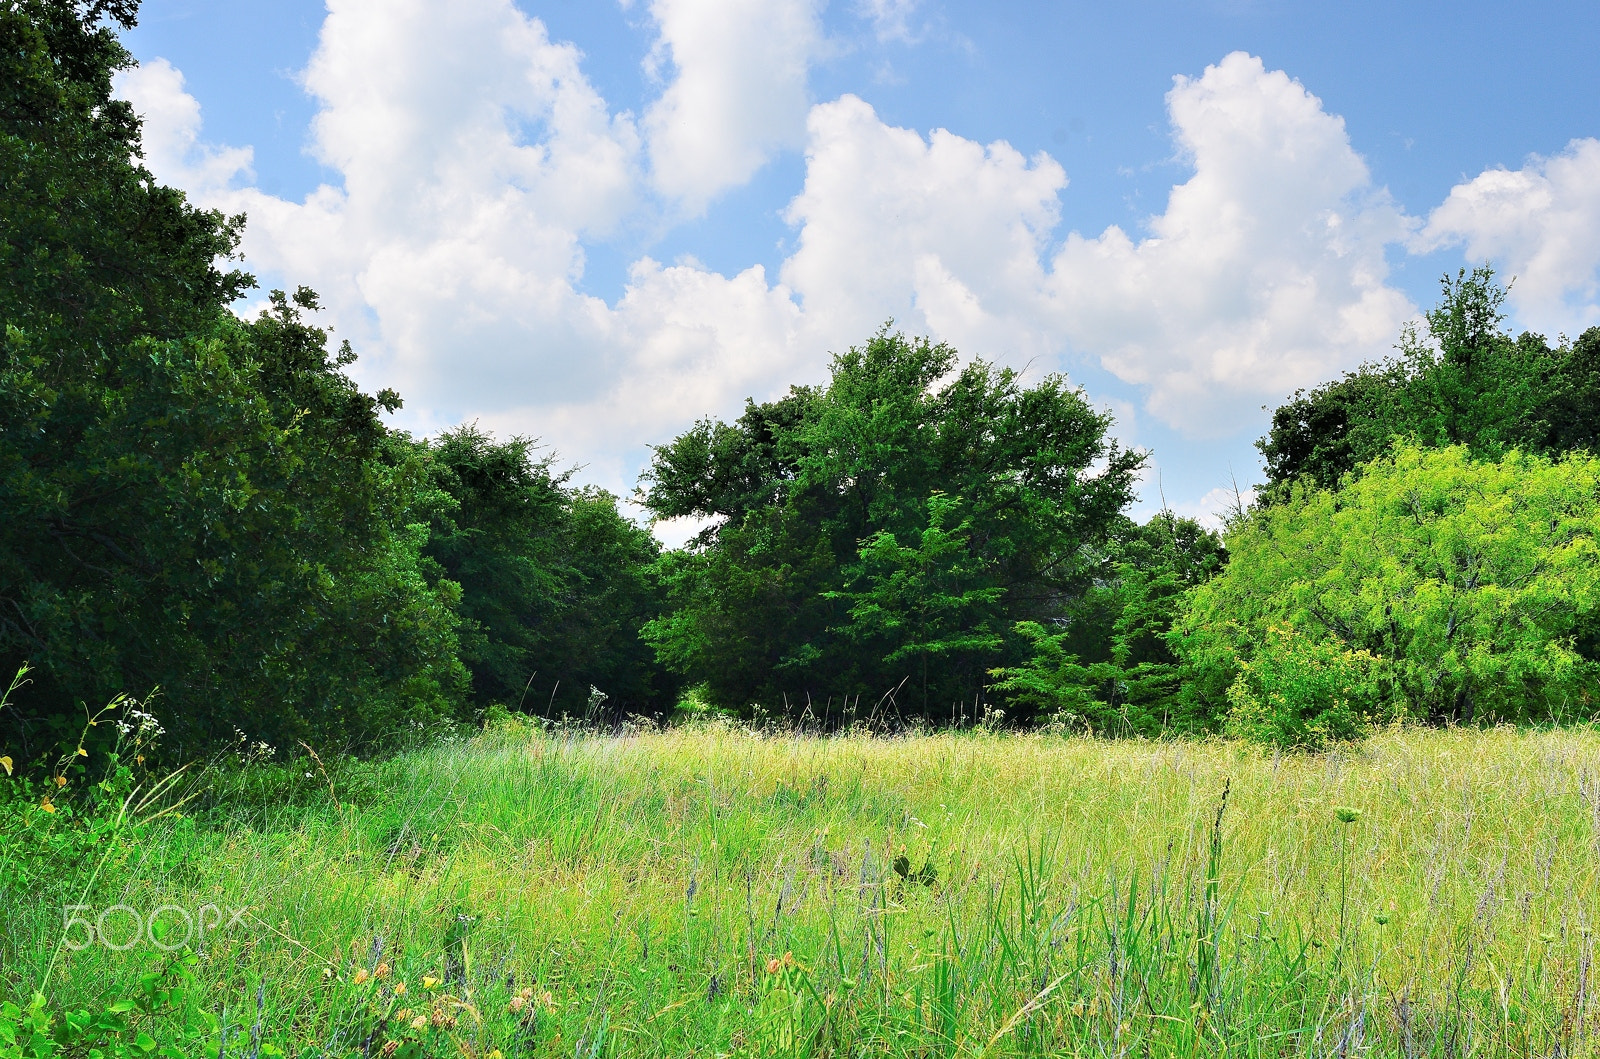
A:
[(208, 506)]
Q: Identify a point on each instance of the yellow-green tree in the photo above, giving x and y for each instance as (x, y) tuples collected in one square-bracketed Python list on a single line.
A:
[(1475, 584)]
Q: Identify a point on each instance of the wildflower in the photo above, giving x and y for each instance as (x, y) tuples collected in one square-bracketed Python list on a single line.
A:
[(82, 752), (382, 971), (327, 973), (389, 1048), (399, 989), (1346, 815), (1381, 919), (61, 781), (6, 763), (527, 993), (420, 1022), (496, 1054), (429, 981), (47, 806), (403, 1015), (774, 965), (361, 975), (517, 1004)]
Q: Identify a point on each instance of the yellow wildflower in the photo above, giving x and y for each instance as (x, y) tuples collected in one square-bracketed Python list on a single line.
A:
[(361, 975)]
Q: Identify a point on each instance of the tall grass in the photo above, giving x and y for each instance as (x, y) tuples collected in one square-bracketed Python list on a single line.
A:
[(716, 892)]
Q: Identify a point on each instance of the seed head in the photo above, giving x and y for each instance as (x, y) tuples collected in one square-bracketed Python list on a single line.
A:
[(1346, 815)]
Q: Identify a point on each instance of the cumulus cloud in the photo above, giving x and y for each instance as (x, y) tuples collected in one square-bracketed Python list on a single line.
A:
[(1265, 273), (476, 161), (738, 94), (1540, 224), (943, 234), (171, 141)]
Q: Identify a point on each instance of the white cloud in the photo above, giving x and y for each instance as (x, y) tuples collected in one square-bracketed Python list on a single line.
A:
[(474, 158), (171, 140), (476, 161), (891, 19), (738, 94), (943, 234), (1540, 224), (1265, 273)]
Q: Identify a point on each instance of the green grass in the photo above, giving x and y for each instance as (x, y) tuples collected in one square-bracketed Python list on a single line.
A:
[(714, 892)]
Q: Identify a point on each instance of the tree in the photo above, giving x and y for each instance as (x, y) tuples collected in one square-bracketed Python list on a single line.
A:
[(555, 582), (1475, 584), (193, 502), (904, 516), (1106, 664), (1463, 381)]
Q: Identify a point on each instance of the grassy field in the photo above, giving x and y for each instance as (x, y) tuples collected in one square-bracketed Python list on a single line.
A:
[(713, 892)]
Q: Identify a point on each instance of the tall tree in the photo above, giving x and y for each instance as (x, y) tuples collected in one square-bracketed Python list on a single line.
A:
[(883, 532), (555, 582), (193, 502)]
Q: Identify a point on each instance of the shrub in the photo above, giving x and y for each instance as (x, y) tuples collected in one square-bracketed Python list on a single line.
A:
[(1303, 694), (1477, 582)]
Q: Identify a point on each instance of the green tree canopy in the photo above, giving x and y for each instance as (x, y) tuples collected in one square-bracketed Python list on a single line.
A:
[(555, 582), (884, 531), (192, 502), (1475, 584)]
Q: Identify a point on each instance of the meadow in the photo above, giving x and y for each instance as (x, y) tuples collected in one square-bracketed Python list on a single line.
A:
[(713, 891)]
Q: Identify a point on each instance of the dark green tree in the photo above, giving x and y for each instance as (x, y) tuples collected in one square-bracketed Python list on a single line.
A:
[(1463, 380), (555, 582), (1106, 665), (193, 502), (883, 532)]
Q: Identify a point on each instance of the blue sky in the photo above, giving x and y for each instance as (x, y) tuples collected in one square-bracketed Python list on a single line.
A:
[(546, 217)]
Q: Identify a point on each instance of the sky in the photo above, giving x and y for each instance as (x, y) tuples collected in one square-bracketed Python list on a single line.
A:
[(596, 222)]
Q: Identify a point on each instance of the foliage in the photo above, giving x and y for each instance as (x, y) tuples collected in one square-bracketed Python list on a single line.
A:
[(1107, 665), (118, 1027), (1302, 694), (555, 582), (1466, 381), (1476, 583), (192, 501), (883, 531)]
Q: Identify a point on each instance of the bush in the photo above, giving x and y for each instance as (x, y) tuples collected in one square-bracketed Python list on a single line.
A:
[(1476, 582), (1303, 694)]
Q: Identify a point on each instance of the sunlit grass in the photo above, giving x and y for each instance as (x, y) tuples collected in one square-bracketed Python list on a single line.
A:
[(709, 891)]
